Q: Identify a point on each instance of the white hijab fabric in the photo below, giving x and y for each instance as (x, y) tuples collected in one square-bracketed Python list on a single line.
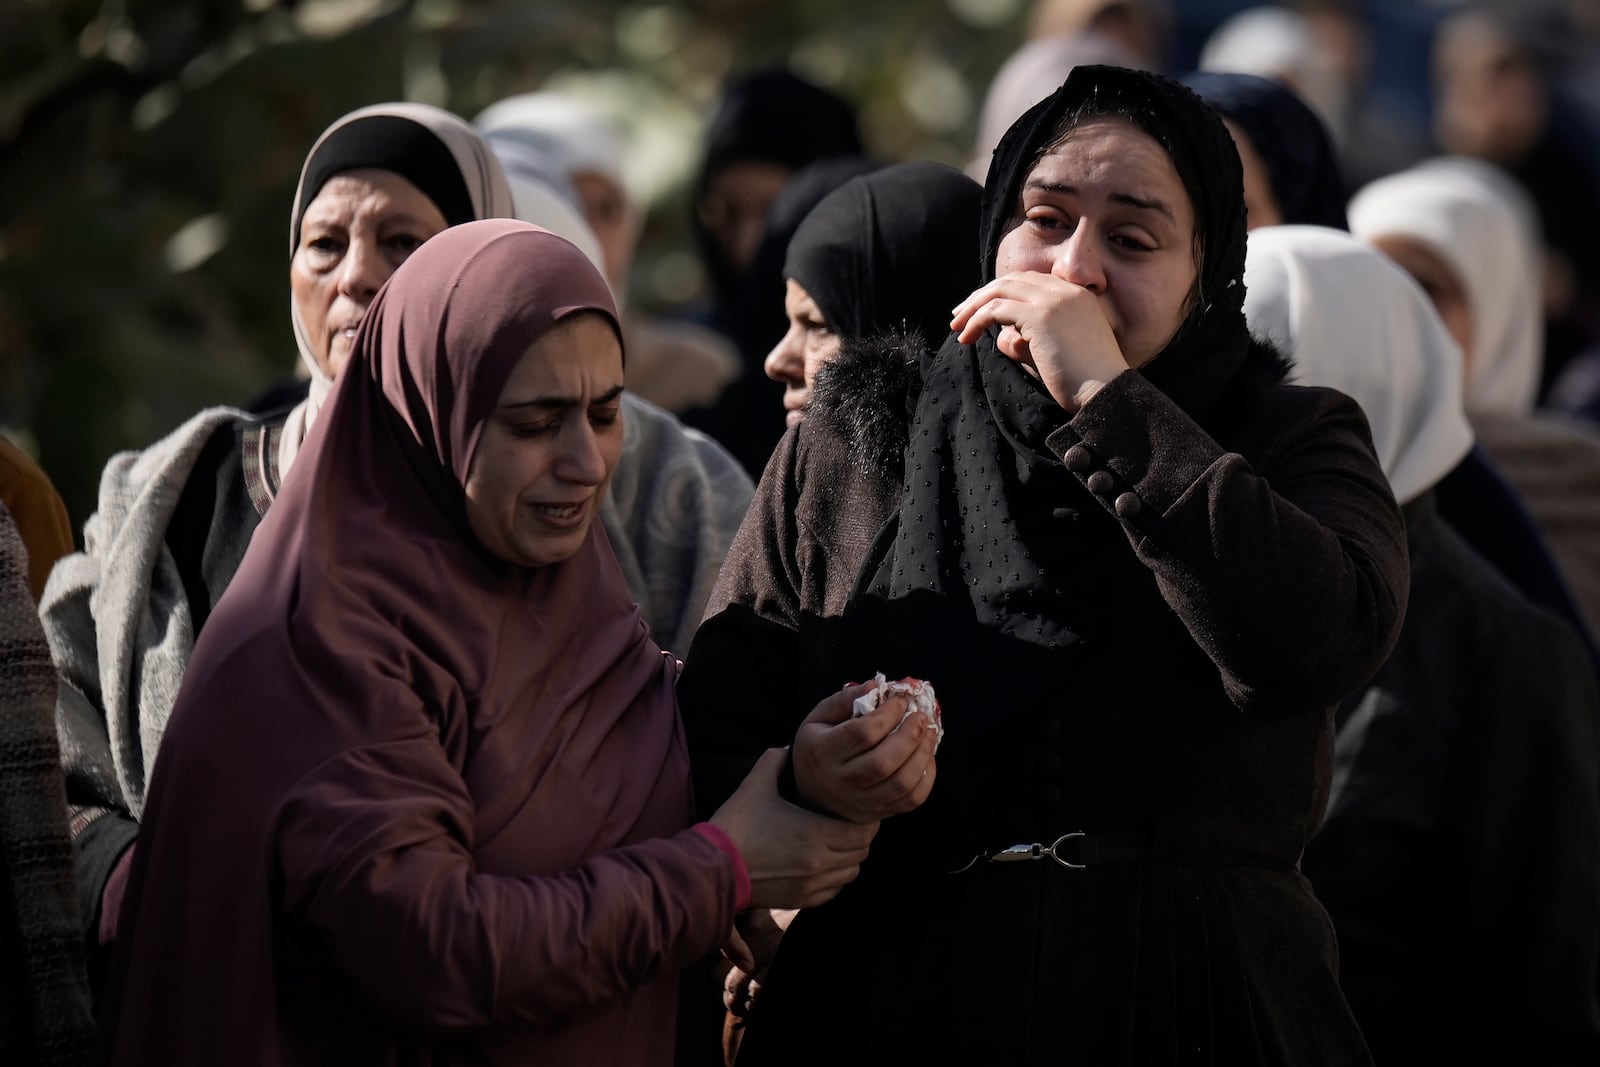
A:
[(1283, 45), (570, 139), (486, 187), (542, 198), (1033, 72), (563, 130), (1353, 321), (1479, 222)]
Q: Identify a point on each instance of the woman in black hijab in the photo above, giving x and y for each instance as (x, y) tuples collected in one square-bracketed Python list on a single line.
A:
[(768, 125), (1298, 178), (889, 253), (745, 417), (1139, 593)]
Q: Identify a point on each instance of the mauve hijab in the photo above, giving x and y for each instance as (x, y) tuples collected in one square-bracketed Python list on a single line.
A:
[(385, 731)]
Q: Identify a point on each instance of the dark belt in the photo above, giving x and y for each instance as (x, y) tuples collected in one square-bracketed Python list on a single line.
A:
[(1075, 850)]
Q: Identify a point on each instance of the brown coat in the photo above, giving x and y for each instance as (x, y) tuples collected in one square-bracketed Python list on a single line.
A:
[(1255, 579)]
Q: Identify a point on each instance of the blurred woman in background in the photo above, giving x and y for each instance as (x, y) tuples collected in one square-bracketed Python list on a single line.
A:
[(1462, 229), (1460, 857), (888, 253)]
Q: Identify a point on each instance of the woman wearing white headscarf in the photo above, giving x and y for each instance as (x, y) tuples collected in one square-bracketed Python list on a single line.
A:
[(1032, 73), (1144, 27), (676, 365), (1460, 856), (1469, 237), (173, 521), (1283, 45)]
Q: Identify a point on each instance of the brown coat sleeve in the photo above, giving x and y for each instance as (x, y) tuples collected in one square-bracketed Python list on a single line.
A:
[(1288, 568), (758, 572), (793, 563), (373, 852), (37, 510)]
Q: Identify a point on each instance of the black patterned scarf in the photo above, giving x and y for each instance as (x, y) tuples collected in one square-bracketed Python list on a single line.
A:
[(994, 537)]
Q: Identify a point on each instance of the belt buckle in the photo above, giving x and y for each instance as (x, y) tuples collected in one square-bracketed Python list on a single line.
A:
[(1054, 850), (1035, 851)]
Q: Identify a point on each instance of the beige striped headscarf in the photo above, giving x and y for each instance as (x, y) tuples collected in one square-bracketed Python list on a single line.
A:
[(377, 137)]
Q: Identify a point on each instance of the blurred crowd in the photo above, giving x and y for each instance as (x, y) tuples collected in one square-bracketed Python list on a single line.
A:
[(768, 487)]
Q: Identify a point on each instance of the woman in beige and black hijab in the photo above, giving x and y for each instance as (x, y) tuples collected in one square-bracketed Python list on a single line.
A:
[(173, 521)]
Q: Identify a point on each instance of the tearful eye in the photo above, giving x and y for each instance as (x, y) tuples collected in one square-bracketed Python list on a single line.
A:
[(406, 243)]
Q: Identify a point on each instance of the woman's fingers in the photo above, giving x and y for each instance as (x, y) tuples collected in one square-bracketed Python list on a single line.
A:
[(836, 708), (884, 760), (1021, 286), (910, 783), (737, 952), (1014, 346), (999, 310), (823, 888)]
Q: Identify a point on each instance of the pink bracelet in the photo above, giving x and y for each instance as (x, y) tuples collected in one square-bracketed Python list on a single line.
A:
[(741, 874)]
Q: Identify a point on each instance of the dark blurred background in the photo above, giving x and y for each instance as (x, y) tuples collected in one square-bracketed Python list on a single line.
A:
[(149, 151)]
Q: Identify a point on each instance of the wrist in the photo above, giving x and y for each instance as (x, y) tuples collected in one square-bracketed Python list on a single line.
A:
[(742, 889), (1089, 387), (789, 789)]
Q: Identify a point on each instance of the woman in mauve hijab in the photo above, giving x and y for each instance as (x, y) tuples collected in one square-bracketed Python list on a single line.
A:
[(173, 520), (1141, 571), (424, 796)]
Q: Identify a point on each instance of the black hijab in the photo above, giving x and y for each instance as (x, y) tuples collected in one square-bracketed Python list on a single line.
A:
[(895, 249), (755, 320), (769, 116), (395, 143), (979, 538), (1290, 139)]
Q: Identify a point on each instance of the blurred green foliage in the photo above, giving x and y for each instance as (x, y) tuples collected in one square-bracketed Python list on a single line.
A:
[(149, 151)]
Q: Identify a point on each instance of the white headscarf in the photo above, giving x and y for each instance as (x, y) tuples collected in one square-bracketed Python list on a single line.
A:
[(1283, 45), (543, 199), (486, 189), (1353, 321), (571, 136), (1476, 220), (1033, 72)]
